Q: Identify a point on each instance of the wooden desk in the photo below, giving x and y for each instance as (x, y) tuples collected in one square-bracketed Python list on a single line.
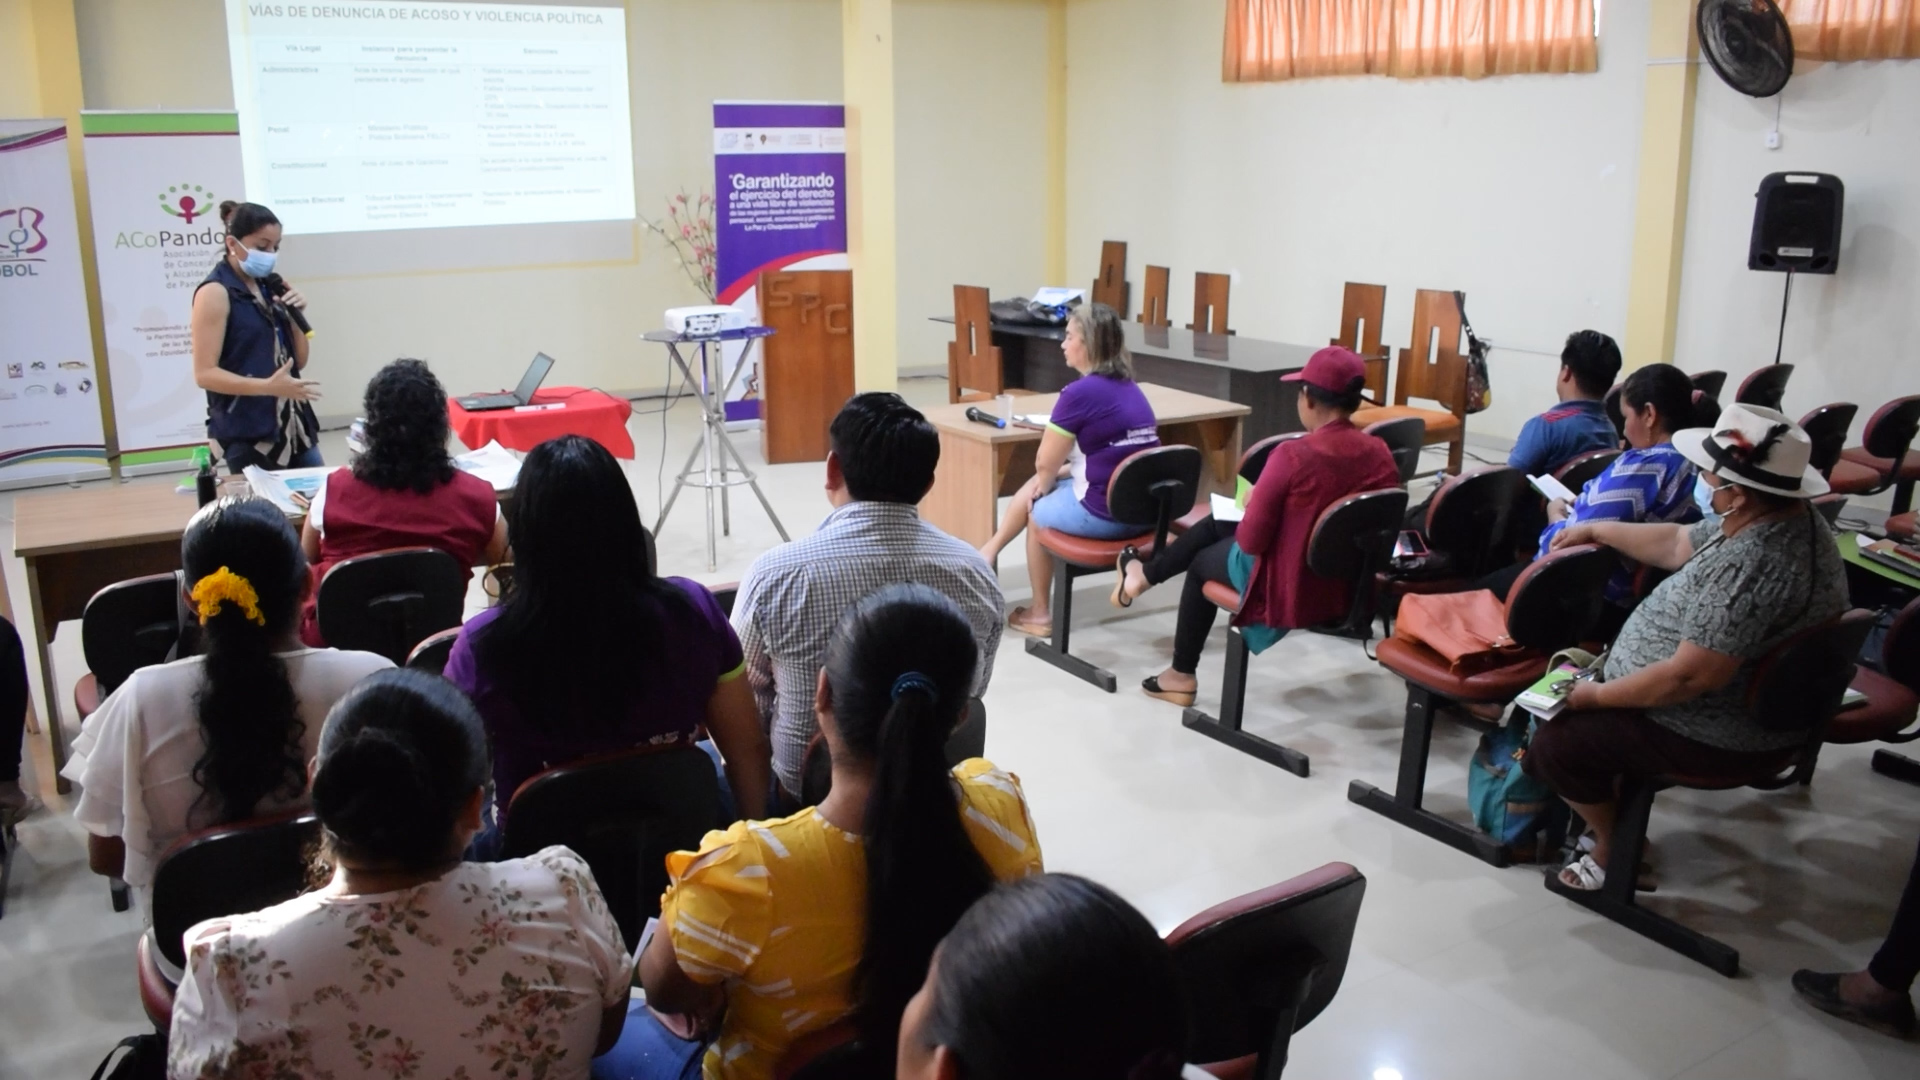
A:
[(1225, 366), (979, 464), (75, 543)]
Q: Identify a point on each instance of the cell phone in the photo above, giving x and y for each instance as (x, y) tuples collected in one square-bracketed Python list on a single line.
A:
[(1411, 545)]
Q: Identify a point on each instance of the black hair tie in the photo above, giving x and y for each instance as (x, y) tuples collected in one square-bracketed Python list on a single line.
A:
[(912, 681)]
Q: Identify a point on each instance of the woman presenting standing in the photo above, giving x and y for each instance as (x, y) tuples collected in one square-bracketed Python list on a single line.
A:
[(248, 355)]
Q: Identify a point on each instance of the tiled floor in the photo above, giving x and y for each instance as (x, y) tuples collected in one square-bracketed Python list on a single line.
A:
[(1458, 970)]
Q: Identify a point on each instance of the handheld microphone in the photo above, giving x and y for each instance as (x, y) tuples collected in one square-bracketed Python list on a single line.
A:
[(979, 416), (276, 286)]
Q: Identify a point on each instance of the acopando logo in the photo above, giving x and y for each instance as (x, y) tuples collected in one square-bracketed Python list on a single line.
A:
[(186, 201)]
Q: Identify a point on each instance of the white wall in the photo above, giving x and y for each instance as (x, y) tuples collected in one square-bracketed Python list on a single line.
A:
[(1517, 190), (1855, 335), (970, 201)]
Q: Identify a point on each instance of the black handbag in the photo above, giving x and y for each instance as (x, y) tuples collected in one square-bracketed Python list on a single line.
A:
[(1479, 383)]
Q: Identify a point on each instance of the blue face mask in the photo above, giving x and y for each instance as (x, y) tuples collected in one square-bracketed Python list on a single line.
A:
[(257, 264), (1703, 493)]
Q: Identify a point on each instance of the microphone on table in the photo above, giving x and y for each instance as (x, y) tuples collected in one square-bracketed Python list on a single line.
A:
[(276, 287), (980, 416)]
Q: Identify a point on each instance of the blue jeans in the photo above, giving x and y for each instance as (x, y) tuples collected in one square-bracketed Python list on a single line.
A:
[(647, 1051), (1060, 511)]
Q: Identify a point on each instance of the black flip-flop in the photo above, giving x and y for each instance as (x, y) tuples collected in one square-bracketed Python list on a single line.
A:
[(1128, 555)]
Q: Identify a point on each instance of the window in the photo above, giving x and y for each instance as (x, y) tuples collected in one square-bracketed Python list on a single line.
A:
[(1297, 39), (1854, 29)]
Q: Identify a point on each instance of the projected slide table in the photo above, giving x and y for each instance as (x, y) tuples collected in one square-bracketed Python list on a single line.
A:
[(357, 117)]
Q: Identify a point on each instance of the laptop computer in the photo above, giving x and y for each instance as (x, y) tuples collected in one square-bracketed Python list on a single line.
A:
[(522, 394)]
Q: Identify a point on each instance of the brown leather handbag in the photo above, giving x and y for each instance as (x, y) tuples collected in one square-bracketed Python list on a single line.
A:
[(1468, 629)]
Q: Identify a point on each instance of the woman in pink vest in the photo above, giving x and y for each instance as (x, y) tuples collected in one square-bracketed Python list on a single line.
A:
[(403, 491)]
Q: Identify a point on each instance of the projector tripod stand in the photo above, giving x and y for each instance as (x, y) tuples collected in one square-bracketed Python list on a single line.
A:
[(715, 464)]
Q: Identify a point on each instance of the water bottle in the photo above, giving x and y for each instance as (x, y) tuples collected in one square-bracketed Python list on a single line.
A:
[(204, 482)]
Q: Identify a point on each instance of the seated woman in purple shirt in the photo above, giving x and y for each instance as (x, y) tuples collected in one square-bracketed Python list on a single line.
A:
[(1098, 421), (592, 652)]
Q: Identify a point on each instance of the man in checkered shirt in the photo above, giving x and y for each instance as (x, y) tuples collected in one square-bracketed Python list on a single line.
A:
[(881, 465)]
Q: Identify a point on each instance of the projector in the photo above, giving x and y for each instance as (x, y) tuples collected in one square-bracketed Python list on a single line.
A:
[(704, 320)]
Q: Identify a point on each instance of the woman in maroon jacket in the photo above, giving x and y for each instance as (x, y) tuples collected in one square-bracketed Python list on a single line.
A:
[(1264, 556)]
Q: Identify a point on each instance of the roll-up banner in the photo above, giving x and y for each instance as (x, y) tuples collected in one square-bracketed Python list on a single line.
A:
[(50, 425), (157, 181), (780, 194)]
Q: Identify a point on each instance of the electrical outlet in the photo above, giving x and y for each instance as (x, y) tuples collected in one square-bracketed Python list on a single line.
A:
[(1773, 140)]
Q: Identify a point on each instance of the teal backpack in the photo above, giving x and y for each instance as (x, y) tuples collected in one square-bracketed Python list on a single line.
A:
[(1508, 805)]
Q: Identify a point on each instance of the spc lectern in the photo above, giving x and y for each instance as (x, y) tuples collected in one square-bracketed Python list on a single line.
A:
[(808, 363)]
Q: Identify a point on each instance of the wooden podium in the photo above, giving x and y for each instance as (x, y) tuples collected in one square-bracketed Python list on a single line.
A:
[(808, 367)]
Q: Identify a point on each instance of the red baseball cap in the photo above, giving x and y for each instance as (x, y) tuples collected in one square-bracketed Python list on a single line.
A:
[(1332, 369)]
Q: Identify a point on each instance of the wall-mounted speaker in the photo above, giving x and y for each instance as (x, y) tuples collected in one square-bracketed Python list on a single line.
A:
[(1796, 223)]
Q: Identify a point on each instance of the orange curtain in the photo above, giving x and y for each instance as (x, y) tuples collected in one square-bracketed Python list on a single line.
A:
[(1854, 29), (1291, 39)]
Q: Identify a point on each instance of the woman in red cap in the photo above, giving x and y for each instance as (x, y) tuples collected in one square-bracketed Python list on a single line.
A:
[(1264, 555)]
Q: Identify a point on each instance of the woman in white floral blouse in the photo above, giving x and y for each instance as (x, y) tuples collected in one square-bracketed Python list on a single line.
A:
[(409, 962)]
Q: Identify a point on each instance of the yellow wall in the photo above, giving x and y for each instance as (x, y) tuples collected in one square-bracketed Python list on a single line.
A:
[(19, 71)]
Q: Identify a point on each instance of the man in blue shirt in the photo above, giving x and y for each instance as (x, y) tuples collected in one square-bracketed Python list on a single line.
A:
[(1588, 366)]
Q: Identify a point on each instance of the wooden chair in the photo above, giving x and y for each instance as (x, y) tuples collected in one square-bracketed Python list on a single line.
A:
[(973, 360), (1111, 287), (1153, 304), (1362, 309), (1799, 683), (1210, 303), (1431, 370)]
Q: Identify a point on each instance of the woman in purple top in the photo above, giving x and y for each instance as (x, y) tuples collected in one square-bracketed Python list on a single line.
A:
[(1098, 421), (592, 651)]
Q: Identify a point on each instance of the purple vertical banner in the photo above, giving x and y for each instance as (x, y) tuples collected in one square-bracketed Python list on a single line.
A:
[(780, 195)]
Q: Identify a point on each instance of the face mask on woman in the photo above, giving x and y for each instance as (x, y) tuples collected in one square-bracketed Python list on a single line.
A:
[(257, 263), (1703, 493)]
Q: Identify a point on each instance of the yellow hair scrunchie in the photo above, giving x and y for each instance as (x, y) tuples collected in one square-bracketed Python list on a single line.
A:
[(223, 585)]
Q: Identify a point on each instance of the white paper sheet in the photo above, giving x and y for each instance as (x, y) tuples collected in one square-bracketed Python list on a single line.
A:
[(493, 463)]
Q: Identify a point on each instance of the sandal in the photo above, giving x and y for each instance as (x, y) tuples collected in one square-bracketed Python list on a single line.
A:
[(1018, 621), (1643, 880), (1587, 875), (1151, 684), (1128, 555)]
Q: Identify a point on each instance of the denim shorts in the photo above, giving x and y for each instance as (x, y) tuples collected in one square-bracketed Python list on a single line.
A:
[(1060, 511)]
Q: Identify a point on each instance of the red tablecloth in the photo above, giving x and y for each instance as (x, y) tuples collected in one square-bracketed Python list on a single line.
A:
[(594, 413)]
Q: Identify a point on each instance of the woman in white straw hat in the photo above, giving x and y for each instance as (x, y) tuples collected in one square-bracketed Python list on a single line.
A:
[(1762, 566)]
